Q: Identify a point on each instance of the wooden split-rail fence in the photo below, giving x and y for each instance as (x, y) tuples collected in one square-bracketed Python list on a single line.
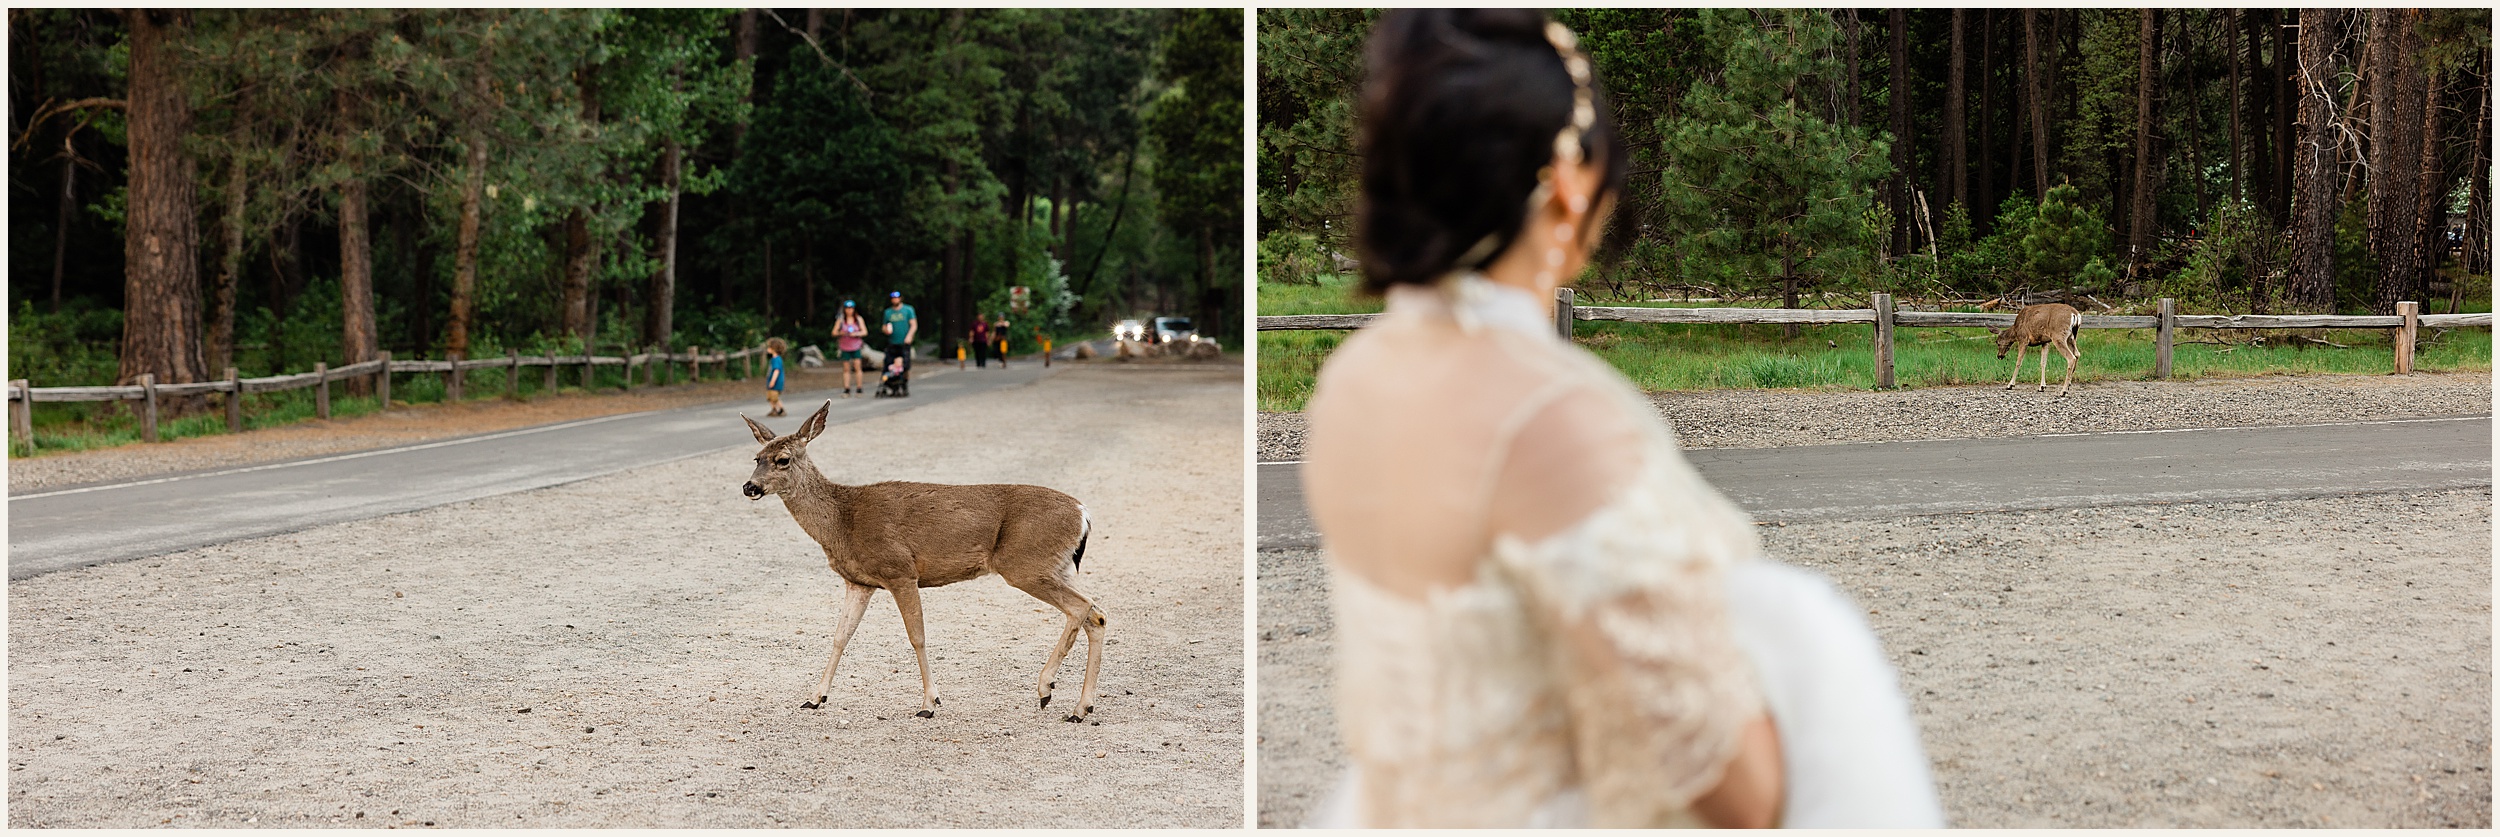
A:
[(655, 367), (2407, 322)]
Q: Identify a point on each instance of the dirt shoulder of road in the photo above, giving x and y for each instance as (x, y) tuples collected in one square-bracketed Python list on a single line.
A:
[(631, 650), (398, 426), (2321, 662), (1783, 418)]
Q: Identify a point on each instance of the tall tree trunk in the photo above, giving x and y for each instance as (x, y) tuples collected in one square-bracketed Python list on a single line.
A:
[(60, 225), (2311, 279), (1128, 170), (220, 347), (2140, 214), (2396, 98), (1956, 181), (1210, 302), (2478, 179), (1849, 30), (2430, 214), (2036, 97), (580, 256), (358, 341), (1983, 214), (1898, 98), (768, 280), (161, 284), (2286, 98), (659, 316), (464, 250), (423, 251), (745, 53), (2231, 45), (815, 23)]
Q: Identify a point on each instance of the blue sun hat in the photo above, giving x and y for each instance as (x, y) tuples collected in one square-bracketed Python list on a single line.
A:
[(847, 304), (895, 295)]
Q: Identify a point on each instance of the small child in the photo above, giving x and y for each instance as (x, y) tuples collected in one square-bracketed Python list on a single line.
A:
[(773, 350)]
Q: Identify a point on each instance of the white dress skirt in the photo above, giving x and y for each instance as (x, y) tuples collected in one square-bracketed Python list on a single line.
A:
[(1847, 742)]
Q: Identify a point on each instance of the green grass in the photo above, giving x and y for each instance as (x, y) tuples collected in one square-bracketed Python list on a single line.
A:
[(1698, 357), (93, 425)]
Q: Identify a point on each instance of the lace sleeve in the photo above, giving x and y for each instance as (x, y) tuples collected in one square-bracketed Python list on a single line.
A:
[(1628, 597)]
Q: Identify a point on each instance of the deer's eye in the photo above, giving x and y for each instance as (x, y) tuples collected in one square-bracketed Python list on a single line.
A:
[(782, 461)]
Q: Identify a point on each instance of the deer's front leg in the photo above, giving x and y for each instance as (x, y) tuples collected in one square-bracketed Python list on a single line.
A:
[(2044, 366), (907, 599), (854, 605), (2019, 348)]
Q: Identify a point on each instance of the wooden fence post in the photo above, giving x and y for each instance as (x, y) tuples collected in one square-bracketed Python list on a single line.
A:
[(590, 365), (551, 373), (147, 416), (321, 396), (1565, 299), (1883, 341), (22, 413), (512, 374), (234, 400), (694, 364), (2162, 336), (2412, 312), (382, 381), (456, 386)]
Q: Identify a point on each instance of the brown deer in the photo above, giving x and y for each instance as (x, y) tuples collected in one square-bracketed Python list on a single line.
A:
[(903, 536), (2050, 323)]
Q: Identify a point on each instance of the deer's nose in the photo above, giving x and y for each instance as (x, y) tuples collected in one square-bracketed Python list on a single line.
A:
[(754, 492)]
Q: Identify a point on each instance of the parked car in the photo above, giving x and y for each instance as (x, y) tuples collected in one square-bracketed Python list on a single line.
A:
[(1174, 330), (1129, 330)]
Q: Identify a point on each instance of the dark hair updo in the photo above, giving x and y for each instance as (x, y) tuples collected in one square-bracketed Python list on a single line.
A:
[(1460, 110)]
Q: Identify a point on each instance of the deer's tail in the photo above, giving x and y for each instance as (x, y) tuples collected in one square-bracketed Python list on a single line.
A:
[(2074, 331), (1076, 559)]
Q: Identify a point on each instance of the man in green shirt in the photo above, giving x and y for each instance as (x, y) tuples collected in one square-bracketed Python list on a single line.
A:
[(902, 324)]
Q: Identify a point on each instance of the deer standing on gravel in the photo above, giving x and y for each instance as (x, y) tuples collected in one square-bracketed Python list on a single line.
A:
[(903, 536), (2051, 323)]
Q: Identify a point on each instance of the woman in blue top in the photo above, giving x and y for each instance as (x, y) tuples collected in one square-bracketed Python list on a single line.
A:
[(773, 350)]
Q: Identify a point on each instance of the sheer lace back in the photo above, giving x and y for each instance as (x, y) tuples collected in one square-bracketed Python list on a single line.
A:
[(1527, 573)]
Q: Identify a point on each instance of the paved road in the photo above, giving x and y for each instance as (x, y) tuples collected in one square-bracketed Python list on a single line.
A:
[(1898, 479), (79, 526)]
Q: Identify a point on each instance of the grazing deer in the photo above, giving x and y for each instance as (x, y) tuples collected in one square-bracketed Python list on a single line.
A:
[(2051, 323), (903, 536)]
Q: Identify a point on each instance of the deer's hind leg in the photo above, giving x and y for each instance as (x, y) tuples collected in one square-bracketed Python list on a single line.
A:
[(854, 605), (907, 600), (2069, 350), (1054, 589)]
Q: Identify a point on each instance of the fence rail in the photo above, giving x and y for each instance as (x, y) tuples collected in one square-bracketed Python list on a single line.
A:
[(660, 365), (2407, 323)]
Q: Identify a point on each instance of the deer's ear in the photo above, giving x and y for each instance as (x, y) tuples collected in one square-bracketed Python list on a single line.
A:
[(762, 434), (814, 424)]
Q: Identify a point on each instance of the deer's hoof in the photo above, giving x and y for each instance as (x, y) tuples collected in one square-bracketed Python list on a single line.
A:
[(809, 704), (925, 713), (1074, 719), (936, 701), (1045, 701)]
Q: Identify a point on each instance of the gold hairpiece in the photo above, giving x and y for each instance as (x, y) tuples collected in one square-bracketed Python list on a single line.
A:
[(1583, 103)]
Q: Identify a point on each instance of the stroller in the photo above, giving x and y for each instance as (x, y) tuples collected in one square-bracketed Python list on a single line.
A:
[(897, 380)]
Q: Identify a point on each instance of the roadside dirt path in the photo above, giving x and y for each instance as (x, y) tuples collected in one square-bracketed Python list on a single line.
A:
[(632, 650), (2276, 664)]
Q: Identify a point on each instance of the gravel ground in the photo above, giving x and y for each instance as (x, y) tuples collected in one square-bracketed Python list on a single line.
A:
[(632, 650), (400, 426), (2320, 662), (1780, 418)]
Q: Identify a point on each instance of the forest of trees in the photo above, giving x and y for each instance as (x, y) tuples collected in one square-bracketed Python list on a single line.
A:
[(2250, 159), (196, 189)]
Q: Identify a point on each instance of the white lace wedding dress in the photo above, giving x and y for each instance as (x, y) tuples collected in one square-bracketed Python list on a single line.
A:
[(1545, 617)]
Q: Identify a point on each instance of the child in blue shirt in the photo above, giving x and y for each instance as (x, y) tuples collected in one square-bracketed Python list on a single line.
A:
[(773, 350)]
